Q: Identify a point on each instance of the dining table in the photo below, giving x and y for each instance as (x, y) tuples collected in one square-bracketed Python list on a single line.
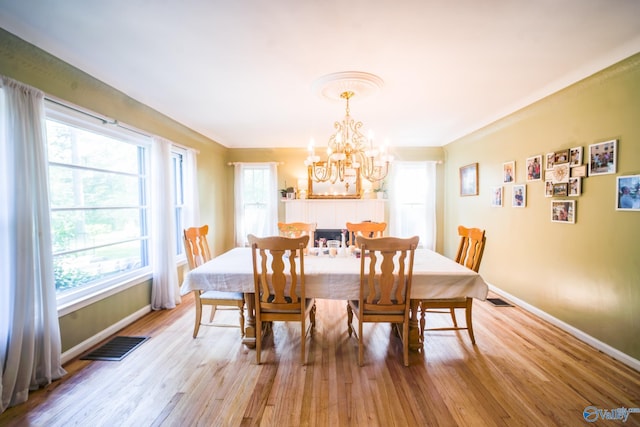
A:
[(338, 278)]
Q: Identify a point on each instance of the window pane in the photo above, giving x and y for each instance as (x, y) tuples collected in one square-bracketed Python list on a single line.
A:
[(81, 229), (85, 267), (75, 146), (87, 188)]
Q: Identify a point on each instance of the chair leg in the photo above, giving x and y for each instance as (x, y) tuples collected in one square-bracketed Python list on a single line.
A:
[(303, 337), (469, 321), (213, 313), (453, 317), (198, 315), (312, 317), (405, 342), (258, 341), (360, 343), (349, 319)]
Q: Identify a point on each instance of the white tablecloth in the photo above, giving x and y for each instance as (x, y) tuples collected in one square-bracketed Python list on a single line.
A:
[(434, 276)]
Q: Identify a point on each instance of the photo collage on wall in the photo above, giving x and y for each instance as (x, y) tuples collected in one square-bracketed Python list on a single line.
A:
[(562, 172)]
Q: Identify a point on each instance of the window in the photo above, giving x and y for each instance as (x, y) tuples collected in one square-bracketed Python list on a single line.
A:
[(256, 196), (413, 201), (99, 200), (177, 175)]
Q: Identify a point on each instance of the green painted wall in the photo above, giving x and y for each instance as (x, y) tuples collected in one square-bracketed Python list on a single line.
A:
[(586, 274)]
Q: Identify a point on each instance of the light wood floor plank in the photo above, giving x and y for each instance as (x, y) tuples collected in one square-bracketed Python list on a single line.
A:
[(522, 371)]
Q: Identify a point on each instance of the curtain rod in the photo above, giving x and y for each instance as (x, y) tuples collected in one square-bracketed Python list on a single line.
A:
[(108, 121), (248, 163)]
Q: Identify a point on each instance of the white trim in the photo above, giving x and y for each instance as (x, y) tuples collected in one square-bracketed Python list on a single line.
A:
[(582, 336), (77, 350)]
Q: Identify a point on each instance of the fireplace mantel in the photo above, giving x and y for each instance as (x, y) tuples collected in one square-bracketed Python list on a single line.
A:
[(334, 213)]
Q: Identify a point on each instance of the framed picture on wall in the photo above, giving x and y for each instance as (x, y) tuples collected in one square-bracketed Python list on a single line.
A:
[(534, 168), (496, 197), (628, 193), (508, 172), (469, 180), (561, 157), (548, 188), (575, 156), (578, 171), (551, 158), (602, 157), (563, 211), (560, 189), (575, 186), (519, 196)]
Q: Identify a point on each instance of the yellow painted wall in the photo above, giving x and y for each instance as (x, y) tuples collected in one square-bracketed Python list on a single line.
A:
[(586, 274)]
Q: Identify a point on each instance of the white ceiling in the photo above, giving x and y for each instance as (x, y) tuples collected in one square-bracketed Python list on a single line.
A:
[(241, 71)]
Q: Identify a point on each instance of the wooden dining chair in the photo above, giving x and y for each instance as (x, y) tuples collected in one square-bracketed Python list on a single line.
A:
[(386, 271), (196, 248), (297, 229), (470, 250), (366, 229), (279, 280)]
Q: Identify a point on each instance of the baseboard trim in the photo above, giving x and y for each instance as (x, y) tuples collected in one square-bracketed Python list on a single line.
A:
[(582, 336), (85, 345)]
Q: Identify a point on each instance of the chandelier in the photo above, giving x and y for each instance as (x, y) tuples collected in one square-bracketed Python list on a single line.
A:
[(349, 152)]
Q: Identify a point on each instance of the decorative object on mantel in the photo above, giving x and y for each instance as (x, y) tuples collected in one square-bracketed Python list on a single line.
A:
[(350, 155)]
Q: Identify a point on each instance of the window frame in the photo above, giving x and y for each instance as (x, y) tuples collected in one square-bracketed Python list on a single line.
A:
[(74, 299)]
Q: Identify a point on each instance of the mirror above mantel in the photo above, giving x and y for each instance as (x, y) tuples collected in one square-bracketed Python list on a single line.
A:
[(348, 188)]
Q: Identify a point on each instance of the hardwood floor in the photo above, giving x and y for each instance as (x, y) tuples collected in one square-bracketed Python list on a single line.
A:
[(521, 372)]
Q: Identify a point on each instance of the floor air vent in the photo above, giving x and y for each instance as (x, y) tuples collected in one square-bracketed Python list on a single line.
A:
[(499, 302), (116, 349)]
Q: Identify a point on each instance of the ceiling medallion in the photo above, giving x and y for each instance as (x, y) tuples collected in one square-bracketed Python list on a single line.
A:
[(333, 85)]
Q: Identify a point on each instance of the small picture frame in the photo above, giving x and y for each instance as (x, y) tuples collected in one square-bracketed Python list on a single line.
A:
[(579, 171), (508, 172), (548, 188), (602, 157), (560, 189), (519, 196), (534, 168), (561, 157), (628, 193), (575, 185), (575, 156), (551, 158), (469, 180), (496, 196), (561, 172), (563, 211)]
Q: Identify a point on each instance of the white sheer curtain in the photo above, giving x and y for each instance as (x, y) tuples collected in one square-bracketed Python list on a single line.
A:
[(165, 292), (191, 214), (412, 199), (29, 332), (256, 198)]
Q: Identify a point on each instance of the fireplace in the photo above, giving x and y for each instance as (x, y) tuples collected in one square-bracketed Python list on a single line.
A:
[(328, 234), (331, 215)]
